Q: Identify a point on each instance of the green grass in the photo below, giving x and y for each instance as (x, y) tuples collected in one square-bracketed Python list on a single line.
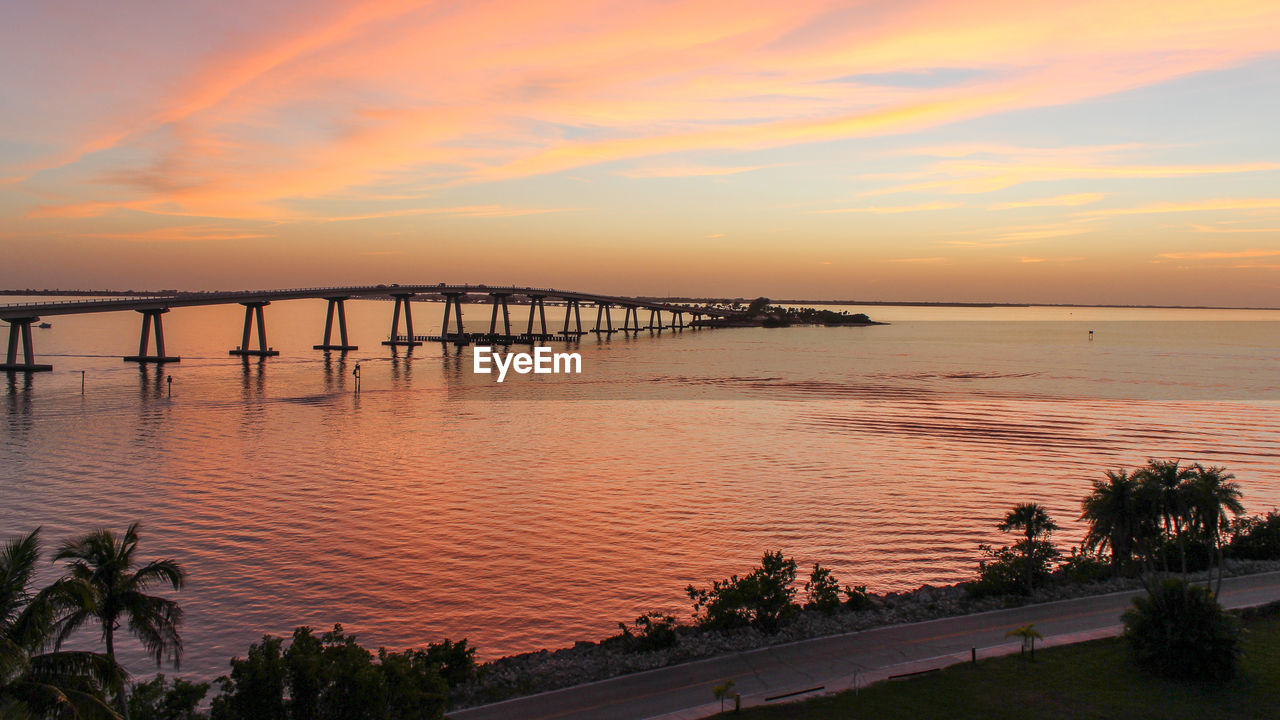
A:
[(1089, 680)]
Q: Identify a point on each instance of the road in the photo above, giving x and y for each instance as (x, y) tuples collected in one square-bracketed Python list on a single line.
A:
[(682, 692)]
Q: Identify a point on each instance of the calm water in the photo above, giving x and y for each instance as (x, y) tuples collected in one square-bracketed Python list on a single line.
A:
[(437, 503)]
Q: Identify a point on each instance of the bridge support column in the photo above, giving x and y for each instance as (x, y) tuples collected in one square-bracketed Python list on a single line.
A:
[(535, 305), (402, 300), (631, 323), (149, 316), (252, 310), (339, 303), (453, 301), (571, 308), (602, 313), (500, 299), (20, 331)]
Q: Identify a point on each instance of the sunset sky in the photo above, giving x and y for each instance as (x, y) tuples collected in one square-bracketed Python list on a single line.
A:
[(1109, 152)]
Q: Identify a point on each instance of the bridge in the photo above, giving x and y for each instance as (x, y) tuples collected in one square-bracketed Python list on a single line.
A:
[(21, 316)]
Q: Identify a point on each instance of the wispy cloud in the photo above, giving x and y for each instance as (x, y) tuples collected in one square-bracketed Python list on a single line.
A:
[(685, 171), (476, 211), (356, 91), (1055, 201), (918, 260), (1221, 255), (1192, 206), (1019, 235), (894, 209), (189, 233), (1025, 259), (1217, 229), (976, 177)]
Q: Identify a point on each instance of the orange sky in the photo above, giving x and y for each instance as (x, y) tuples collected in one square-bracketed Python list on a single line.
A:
[(932, 150)]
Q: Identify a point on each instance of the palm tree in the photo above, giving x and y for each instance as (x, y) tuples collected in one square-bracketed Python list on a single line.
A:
[(1034, 521), (1165, 483), (1031, 518), (35, 684), (1029, 635), (1212, 495), (1113, 513), (111, 587)]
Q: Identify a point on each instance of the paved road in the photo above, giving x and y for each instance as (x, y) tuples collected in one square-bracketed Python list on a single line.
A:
[(684, 691)]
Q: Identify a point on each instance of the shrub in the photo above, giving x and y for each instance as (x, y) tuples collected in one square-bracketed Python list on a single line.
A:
[(1180, 631), (1004, 571), (330, 676), (823, 590), (161, 699), (763, 599), (1256, 537), (1084, 566), (858, 599), (456, 661), (1166, 549), (654, 631)]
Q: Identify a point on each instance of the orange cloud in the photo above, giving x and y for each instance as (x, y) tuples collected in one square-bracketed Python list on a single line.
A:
[(1056, 201), (492, 92), (1219, 255), (893, 209), (1197, 206), (966, 177), (1213, 229), (693, 171)]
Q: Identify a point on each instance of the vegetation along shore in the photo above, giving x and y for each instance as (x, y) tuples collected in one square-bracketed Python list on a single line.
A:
[(1157, 527)]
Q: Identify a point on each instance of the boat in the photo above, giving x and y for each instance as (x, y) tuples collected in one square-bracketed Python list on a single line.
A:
[(45, 325)]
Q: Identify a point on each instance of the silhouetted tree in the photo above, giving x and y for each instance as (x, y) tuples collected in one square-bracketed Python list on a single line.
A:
[(105, 583), (763, 599), (1113, 511), (1164, 484), (1212, 495), (1034, 522), (35, 683)]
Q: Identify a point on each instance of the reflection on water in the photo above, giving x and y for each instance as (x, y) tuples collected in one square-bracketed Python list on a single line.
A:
[(438, 503)]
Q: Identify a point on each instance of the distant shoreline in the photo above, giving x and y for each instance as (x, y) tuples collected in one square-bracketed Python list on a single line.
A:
[(704, 300)]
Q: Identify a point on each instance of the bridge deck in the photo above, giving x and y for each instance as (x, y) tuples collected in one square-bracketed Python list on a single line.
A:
[(195, 299)]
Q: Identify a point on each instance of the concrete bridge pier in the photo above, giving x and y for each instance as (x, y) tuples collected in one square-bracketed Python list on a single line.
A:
[(402, 299), (252, 310), (339, 303), (571, 307), (150, 315), (500, 299), (20, 330), (536, 305), (452, 301), (602, 313), (631, 323)]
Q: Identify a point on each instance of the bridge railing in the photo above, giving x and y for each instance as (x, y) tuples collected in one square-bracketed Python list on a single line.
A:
[(234, 295)]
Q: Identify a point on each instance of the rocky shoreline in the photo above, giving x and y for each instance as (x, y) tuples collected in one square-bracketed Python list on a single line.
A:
[(535, 672)]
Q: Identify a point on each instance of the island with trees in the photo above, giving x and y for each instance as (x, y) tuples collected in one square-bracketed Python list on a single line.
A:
[(761, 313)]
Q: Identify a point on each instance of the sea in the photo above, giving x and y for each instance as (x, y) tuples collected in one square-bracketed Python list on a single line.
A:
[(432, 502)]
